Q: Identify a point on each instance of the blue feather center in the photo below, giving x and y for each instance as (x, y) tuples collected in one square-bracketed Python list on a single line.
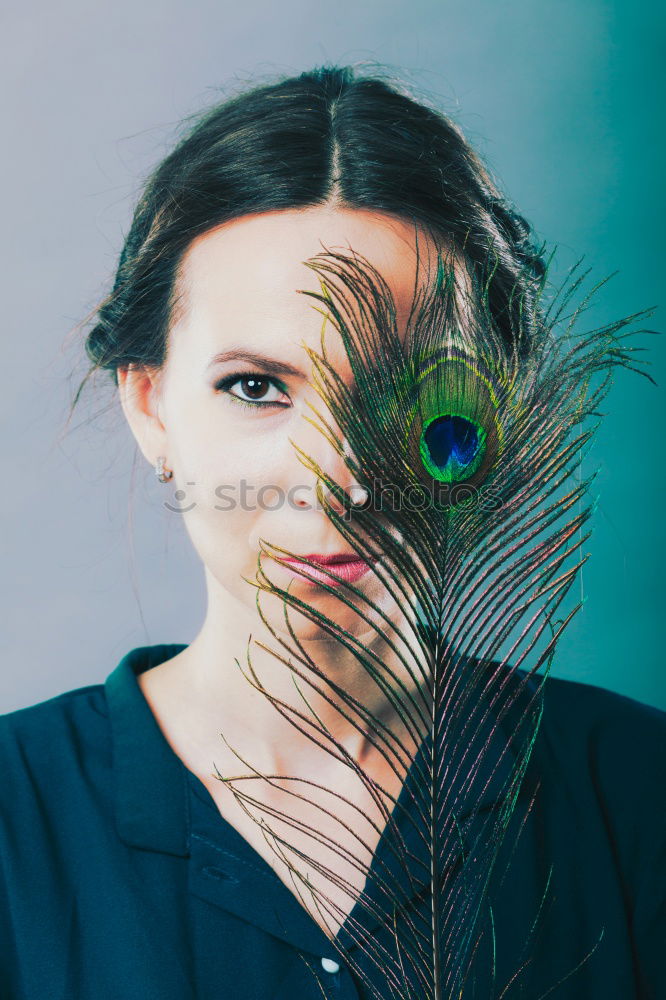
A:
[(453, 445)]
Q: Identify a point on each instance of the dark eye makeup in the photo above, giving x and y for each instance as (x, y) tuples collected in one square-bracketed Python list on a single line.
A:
[(225, 384)]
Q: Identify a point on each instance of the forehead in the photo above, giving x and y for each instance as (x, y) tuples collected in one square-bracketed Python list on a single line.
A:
[(239, 282)]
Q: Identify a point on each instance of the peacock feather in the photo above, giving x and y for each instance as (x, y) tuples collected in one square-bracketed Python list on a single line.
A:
[(467, 442)]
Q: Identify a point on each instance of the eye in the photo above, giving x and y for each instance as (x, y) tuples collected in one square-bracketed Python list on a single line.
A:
[(254, 386)]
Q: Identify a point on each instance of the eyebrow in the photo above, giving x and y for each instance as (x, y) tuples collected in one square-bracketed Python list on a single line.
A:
[(261, 360)]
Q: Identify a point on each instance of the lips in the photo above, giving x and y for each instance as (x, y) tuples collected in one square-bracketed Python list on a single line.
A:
[(344, 567), (330, 560)]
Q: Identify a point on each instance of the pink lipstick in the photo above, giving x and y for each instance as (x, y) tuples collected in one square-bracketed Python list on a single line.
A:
[(346, 567)]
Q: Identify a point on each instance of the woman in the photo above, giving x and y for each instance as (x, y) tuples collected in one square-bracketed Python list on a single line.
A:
[(130, 869)]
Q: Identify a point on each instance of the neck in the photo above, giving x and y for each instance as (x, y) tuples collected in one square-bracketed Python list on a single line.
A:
[(209, 695)]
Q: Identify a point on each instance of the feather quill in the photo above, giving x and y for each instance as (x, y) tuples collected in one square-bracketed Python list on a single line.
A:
[(477, 439)]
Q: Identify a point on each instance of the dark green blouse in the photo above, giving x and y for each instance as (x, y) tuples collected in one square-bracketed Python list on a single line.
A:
[(119, 878)]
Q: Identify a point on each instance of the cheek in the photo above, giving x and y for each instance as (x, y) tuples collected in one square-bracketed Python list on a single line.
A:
[(231, 486), (219, 530), (212, 453)]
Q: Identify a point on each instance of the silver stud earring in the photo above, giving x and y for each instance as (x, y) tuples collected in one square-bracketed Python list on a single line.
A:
[(163, 474)]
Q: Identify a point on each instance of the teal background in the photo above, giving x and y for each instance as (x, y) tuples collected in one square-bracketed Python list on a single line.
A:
[(564, 101)]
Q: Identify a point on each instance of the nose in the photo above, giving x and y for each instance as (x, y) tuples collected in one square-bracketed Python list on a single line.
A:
[(306, 496), (324, 453)]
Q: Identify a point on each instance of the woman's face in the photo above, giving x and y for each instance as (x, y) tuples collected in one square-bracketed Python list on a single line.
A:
[(223, 418)]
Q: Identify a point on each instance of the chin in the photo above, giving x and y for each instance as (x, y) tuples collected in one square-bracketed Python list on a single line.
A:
[(274, 609)]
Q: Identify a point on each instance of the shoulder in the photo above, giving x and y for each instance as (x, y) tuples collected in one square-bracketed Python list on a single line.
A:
[(45, 744), (56, 714), (611, 726), (608, 750)]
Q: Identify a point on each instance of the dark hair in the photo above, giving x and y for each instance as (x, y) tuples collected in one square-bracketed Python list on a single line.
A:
[(330, 134)]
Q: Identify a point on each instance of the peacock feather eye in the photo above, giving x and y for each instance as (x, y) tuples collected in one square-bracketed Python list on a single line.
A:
[(453, 435), (452, 447)]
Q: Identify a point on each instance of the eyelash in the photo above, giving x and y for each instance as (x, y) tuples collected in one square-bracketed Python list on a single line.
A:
[(225, 384)]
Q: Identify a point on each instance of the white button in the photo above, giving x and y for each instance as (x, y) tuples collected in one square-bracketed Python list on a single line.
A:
[(330, 965)]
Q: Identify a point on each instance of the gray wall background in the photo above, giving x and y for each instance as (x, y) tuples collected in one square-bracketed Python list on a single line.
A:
[(565, 102)]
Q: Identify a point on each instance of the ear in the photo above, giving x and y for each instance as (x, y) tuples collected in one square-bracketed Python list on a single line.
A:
[(140, 389)]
